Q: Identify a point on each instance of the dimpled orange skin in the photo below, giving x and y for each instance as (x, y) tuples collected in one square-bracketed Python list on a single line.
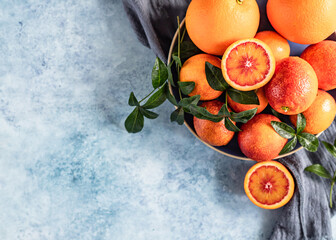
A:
[(214, 25), (210, 132), (258, 140), (322, 57), (293, 87), (304, 22), (278, 44), (238, 107), (194, 70), (320, 115)]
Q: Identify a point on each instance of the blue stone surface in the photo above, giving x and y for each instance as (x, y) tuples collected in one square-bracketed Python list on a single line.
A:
[(69, 170)]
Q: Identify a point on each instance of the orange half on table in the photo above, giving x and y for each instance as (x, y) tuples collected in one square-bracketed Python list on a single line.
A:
[(269, 185)]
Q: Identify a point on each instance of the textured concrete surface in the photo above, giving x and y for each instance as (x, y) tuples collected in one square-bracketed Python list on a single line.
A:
[(69, 170)]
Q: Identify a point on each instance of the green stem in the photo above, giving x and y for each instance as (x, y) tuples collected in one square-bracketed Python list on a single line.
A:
[(184, 31), (178, 52), (332, 185), (331, 188), (147, 95)]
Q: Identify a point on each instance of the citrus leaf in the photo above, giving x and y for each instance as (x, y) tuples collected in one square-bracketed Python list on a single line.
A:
[(135, 121), (170, 97), (186, 87), (170, 75), (148, 114), (224, 111), (159, 73), (289, 146), (187, 50), (157, 98), (202, 113), (319, 170), (283, 129), (300, 123), (243, 117), (248, 97), (335, 142), (177, 116), (230, 126), (186, 102), (177, 60), (132, 101), (308, 141), (331, 149), (215, 77)]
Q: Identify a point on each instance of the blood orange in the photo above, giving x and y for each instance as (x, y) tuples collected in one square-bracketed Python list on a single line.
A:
[(269, 185), (248, 64)]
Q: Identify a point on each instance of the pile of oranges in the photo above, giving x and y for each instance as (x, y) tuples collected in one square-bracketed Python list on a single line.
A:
[(226, 31)]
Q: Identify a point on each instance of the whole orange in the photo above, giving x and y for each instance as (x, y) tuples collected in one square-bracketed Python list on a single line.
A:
[(238, 107), (322, 57), (320, 115), (258, 140), (304, 22), (278, 44), (214, 25), (293, 87), (210, 132), (194, 70)]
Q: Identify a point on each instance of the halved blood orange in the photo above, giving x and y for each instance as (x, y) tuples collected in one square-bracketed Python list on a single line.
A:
[(269, 185), (248, 64)]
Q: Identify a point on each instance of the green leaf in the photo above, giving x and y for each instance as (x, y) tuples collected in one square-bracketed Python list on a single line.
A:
[(177, 116), (159, 73), (215, 77), (132, 101), (177, 60), (135, 121), (187, 50), (186, 102), (283, 129), (319, 170), (245, 116), (300, 123), (170, 97), (202, 113), (230, 126), (335, 142), (148, 114), (170, 75), (331, 149), (249, 97), (289, 146), (224, 111), (308, 141), (275, 113), (186, 87), (157, 98)]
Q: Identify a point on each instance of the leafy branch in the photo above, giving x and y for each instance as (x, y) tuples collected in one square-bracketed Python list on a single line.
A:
[(307, 140), (162, 74), (319, 170)]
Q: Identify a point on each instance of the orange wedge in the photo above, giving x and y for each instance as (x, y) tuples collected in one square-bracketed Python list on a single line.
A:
[(248, 64), (269, 185)]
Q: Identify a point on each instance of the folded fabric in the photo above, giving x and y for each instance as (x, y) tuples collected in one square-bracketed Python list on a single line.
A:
[(307, 215)]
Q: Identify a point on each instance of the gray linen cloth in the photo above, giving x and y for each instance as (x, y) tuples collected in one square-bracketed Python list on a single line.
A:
[(307, 215)]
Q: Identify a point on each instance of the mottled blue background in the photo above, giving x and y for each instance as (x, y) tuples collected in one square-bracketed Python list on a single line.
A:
[(69, 170)]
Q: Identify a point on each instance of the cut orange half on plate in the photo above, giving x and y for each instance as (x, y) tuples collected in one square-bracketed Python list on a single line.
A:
[(248, 64), (269, 185)]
